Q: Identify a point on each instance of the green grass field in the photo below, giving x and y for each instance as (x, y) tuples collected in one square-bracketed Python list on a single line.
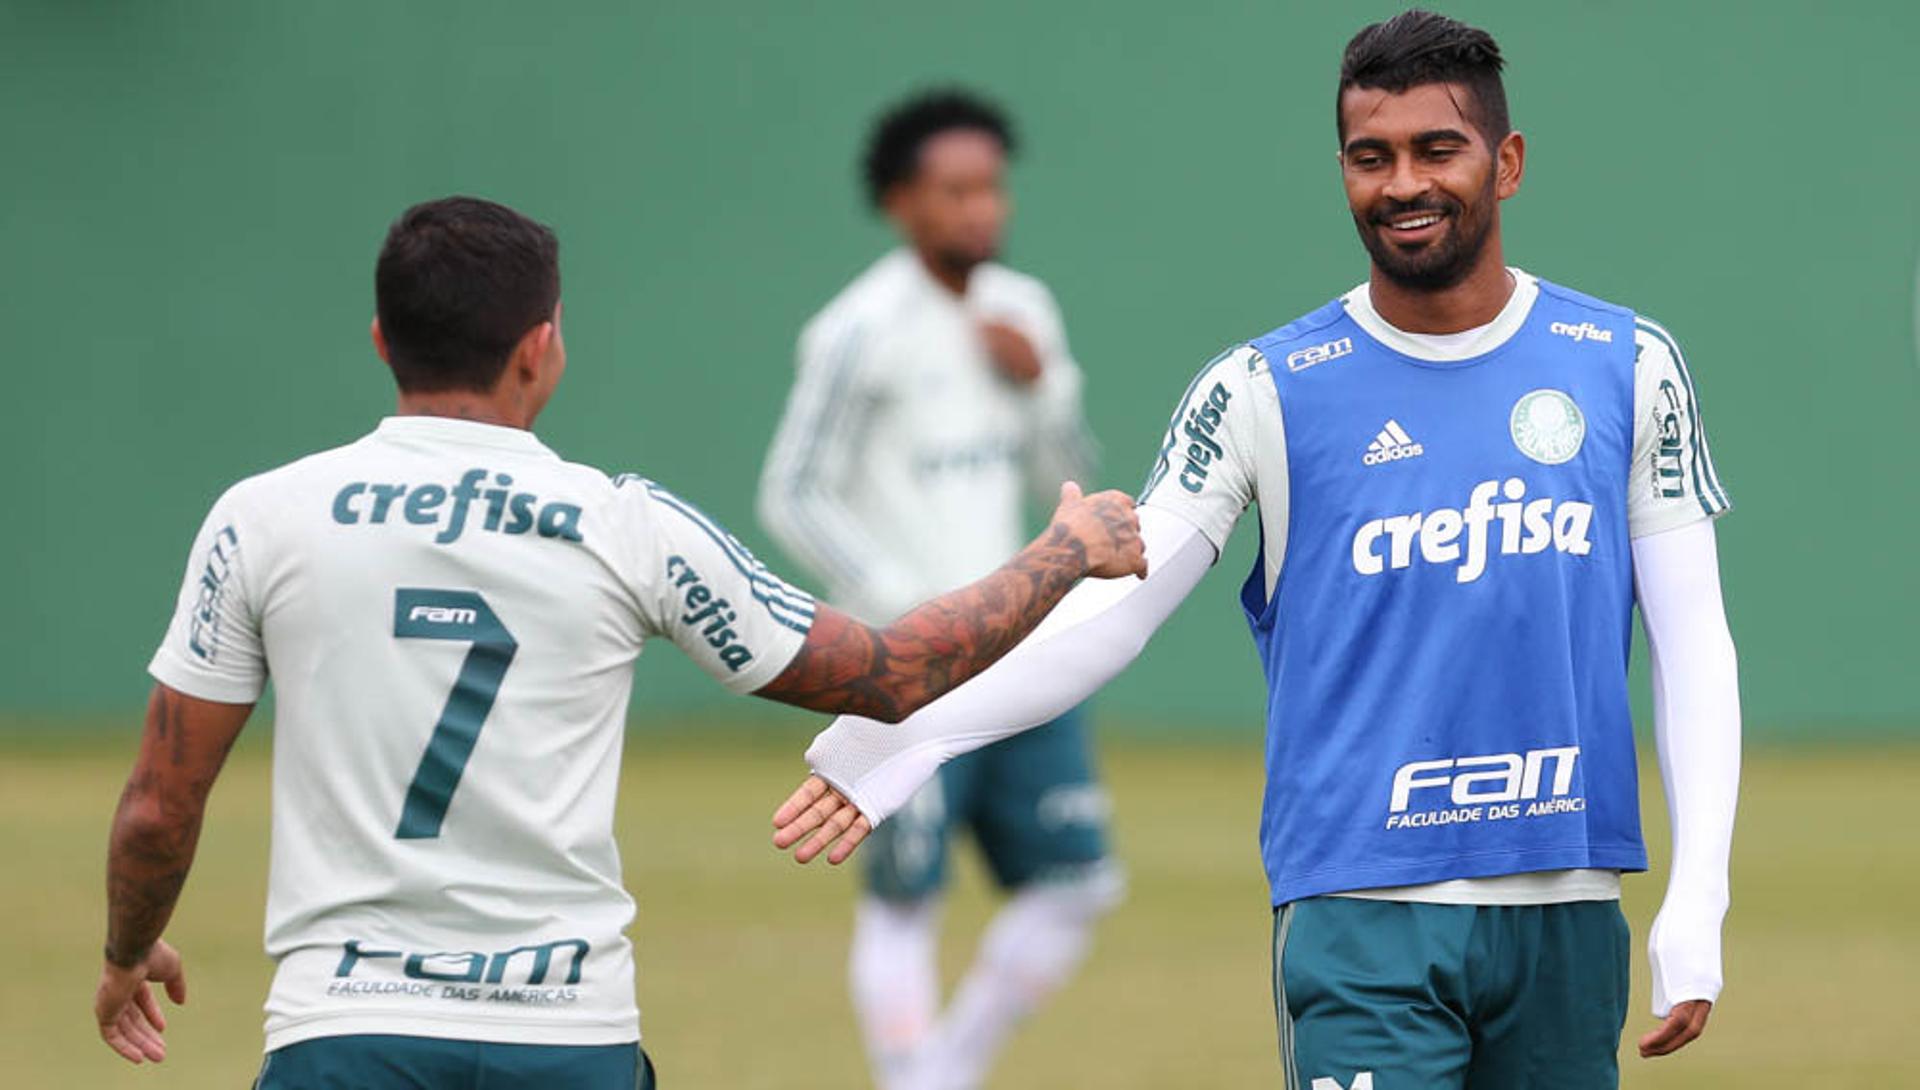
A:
[(741, 952)]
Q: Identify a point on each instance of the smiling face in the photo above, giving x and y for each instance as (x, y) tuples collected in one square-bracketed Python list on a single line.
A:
[(1424, 183)]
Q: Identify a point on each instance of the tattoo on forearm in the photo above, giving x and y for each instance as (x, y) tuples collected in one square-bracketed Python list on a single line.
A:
[(846, 667), (156, 829)]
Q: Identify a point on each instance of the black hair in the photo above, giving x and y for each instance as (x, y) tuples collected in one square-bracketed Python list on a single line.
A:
[(459, 281), (1421, 47), (893, 147)]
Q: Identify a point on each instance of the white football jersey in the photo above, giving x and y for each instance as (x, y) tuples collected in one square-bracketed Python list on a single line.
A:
[(901, 465), (450, 614)]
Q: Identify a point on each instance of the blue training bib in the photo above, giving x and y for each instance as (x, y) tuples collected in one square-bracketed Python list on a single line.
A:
[(1446, 647)]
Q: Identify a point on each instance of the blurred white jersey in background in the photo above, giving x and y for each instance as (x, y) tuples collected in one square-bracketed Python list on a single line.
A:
[(902, 463)]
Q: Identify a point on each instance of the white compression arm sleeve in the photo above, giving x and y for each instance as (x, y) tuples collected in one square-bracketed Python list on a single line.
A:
[(1095, 631), (1696, 723)]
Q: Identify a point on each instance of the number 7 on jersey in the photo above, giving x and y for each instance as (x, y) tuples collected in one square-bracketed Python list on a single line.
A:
[(451, 615)]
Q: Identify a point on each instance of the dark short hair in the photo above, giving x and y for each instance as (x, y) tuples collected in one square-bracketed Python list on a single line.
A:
[(460, 280), (1418, 47), (893, 147)]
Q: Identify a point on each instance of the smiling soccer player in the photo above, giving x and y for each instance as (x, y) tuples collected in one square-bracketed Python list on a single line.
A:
[(1467, 477)]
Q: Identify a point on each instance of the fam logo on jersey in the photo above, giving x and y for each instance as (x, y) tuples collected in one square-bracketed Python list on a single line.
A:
[(203, 632), (1362, 1080), (717, 613), (1485, 788), (1436, 536), (508, 512), (1669, 459), (1547, 426), (457, 616), (1318, 354), (445, 974), (1201, 425)]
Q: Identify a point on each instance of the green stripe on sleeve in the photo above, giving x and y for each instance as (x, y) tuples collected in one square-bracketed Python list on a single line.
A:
[(1706, 483)]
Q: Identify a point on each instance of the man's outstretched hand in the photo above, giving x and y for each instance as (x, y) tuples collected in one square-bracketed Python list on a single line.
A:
[(124, 1006), (1684, 1022), (819, 809), (1106, 528)]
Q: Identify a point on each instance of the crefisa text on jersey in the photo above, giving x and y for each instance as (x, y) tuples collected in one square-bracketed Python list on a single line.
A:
[(1585, 331), (507, 512), (1525, 529), (716, 612), (1202, 422)]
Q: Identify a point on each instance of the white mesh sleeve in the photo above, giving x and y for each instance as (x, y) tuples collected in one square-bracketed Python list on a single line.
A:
[(1696, 722), (1091, 636)]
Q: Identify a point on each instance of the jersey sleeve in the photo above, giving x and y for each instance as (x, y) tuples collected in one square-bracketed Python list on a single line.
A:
[(1673, 481), (212, 649), (1205, 472), (710, 595), (812, 461), (1060, 447)]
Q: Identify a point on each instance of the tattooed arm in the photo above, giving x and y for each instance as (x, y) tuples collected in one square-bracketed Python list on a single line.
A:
[(155, 830), (889, 673)]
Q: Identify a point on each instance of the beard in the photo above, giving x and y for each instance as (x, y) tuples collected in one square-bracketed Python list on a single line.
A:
[(960, 260), (1440, 264)]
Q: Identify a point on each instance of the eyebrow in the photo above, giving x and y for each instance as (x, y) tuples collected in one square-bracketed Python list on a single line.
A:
[(1429, 136)]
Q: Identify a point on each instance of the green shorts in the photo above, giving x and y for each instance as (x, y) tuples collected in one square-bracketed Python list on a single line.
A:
[(1390, 995), (374, 1061), (1031, 801)]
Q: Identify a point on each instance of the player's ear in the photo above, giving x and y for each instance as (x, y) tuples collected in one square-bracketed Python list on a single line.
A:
[(897, 204), (1509, 164), (380, 342), (530, 355)]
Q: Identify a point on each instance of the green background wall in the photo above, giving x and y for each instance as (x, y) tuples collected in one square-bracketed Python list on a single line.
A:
[(193, 193)]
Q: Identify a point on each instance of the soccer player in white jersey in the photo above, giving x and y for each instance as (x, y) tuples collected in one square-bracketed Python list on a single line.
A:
[(934, 394), (450, 614), (1467, 479)]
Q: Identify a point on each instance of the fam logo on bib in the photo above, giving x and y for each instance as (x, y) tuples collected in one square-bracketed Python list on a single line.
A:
[(1547, 426)]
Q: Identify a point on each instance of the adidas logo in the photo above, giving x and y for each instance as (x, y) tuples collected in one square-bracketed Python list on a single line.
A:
[(1391, 445)]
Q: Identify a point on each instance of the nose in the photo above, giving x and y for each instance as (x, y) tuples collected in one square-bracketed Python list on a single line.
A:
[(1406, 184), (987, 214)]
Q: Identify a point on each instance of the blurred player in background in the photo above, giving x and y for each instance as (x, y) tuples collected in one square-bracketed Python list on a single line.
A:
[(450, 614), (1467, 477), (934, 395)]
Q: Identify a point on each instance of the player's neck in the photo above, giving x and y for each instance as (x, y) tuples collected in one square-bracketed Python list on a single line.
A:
[(951, 278), (1470, 304), (464, 405)]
